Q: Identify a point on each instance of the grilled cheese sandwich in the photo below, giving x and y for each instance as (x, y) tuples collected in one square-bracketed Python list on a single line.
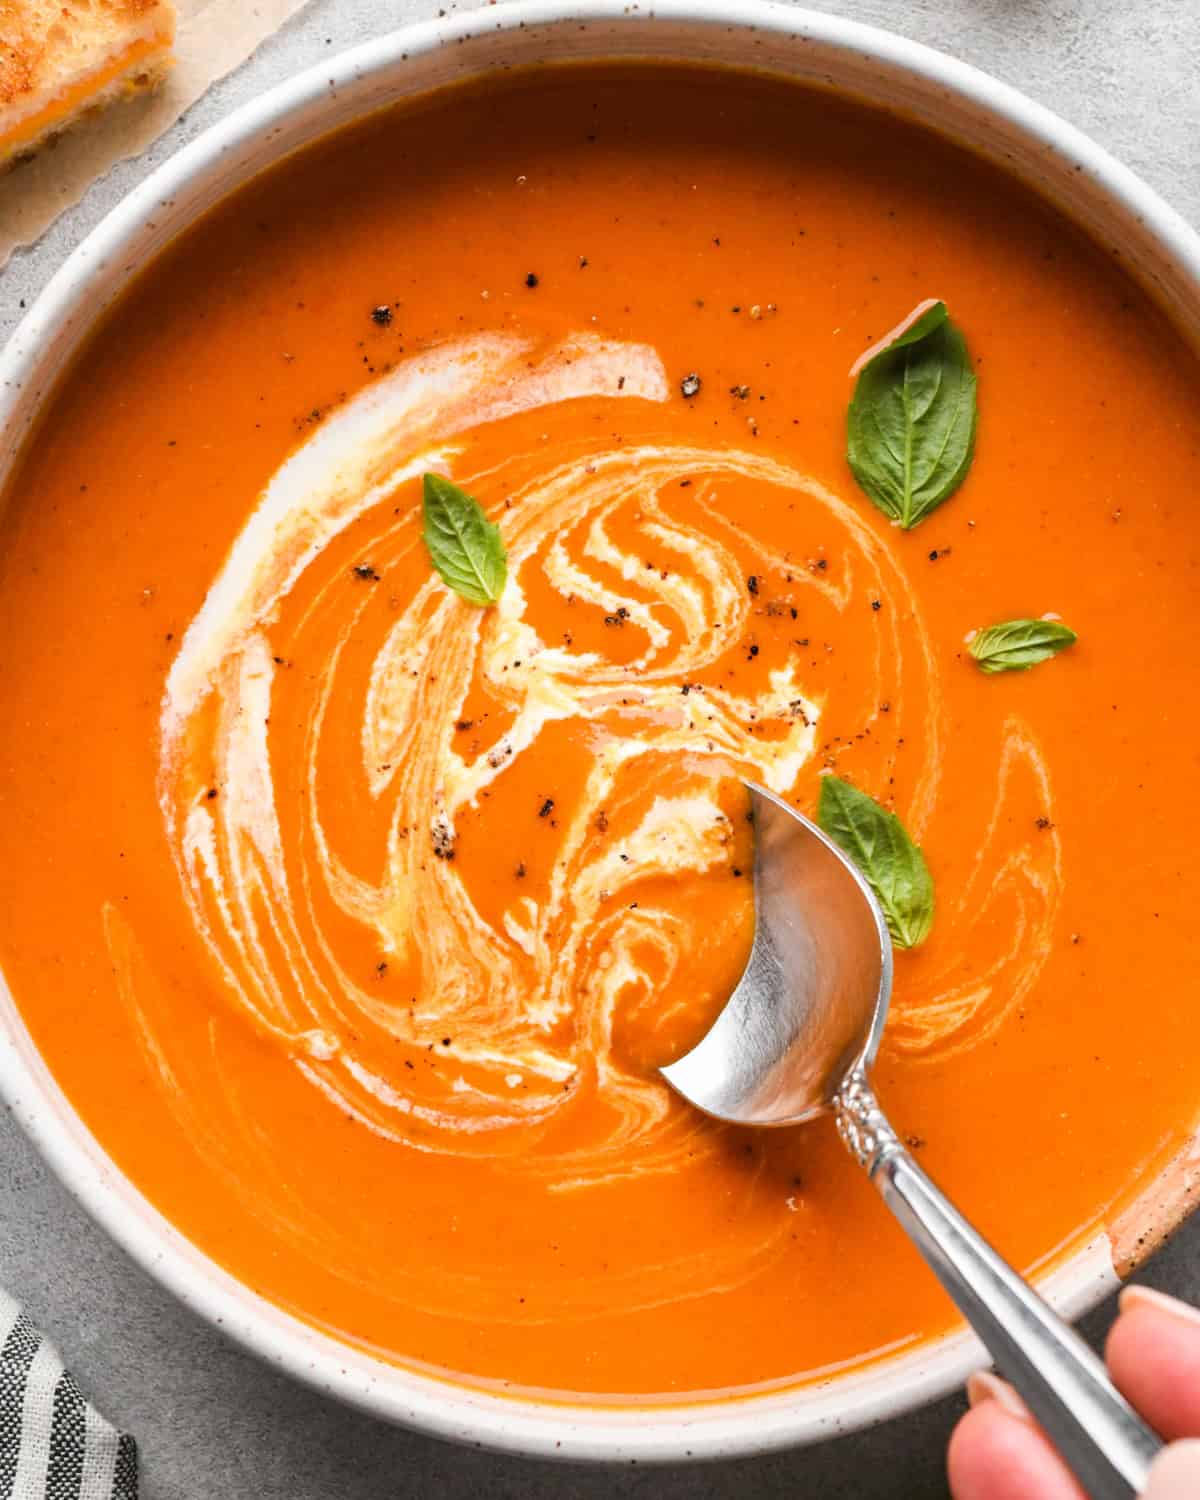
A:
[(60, 58)]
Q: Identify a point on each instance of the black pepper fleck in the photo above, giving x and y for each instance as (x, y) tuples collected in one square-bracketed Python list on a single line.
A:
[(443, 841)]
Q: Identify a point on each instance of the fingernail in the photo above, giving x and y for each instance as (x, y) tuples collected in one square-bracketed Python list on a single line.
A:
[(1146, 1296), (1175, 1473), (984, 1386)]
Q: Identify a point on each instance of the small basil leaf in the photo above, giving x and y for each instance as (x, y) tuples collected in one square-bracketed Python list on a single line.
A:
[(911, 423), (464, 546), (879, 845), (1018, 644)]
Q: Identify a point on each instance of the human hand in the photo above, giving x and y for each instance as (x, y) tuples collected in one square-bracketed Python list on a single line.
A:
[(998, 1452)]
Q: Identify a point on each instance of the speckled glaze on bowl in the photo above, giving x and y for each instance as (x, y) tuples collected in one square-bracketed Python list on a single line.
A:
[(1109, 202)]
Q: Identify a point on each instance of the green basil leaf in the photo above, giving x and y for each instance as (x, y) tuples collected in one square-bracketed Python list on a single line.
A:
[(879, 845), (1018, 644), (911, 423), (464, 546)]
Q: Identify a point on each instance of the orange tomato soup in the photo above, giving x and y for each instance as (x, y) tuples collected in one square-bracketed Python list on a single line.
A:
[(355, 918)]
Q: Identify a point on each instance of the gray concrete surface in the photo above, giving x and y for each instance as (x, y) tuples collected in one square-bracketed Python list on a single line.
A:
[(210, 1420)]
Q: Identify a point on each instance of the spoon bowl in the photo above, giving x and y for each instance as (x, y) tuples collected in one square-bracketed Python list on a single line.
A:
[(813, 999)]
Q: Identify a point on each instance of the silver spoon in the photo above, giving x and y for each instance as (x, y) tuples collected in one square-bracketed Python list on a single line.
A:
[(797, 1037)]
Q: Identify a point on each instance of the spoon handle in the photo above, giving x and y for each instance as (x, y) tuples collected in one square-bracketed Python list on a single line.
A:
[(1099, 1435)]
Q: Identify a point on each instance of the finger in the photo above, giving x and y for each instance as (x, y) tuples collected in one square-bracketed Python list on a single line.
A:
[(998, 1453), (1175, 1473), (1153, 1352)]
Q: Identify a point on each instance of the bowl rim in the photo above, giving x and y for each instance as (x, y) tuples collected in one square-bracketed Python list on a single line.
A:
[(468, 1413)]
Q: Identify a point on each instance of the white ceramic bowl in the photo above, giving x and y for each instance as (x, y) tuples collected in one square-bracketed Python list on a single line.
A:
[(1118, 211)]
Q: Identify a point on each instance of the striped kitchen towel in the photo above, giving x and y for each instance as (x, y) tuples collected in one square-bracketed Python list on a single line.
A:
[(53, 1444)]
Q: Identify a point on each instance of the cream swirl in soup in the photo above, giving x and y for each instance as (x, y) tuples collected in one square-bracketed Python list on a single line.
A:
[(477, 1020)]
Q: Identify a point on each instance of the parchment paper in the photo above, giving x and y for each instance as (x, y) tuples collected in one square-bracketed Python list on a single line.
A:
[(213, 37)]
